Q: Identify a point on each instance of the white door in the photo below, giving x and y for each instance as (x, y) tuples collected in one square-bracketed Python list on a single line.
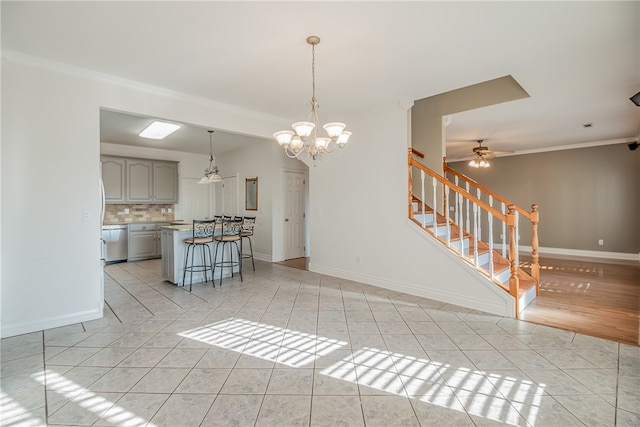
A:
[(294, 215), (194, 200), (230, 196)]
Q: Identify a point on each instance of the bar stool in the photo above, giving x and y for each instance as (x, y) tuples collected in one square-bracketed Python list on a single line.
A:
[(248, 224), (202, 236), (230, 234)]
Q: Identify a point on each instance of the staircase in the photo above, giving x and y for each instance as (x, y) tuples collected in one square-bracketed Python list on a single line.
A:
[(466, 221)]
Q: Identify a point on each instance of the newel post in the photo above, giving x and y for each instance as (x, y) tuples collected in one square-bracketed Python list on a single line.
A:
[(535, 260), (514, 282), (410, 192)]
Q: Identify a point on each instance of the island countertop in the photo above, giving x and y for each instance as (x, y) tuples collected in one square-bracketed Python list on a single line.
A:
[(178, 227)]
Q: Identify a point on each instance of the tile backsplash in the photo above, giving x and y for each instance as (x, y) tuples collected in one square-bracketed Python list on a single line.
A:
[(115, 214)]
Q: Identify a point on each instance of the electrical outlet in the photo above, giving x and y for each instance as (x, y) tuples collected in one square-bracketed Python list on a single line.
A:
[(170, 210), (163, 210), (601, 242), (126, 211)]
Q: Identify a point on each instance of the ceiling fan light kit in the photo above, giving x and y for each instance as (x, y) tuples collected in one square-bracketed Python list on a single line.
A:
[(482, 154), (479, 163), (304, 137)]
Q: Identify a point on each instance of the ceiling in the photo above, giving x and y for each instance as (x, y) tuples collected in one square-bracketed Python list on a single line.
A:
[(578, 61)]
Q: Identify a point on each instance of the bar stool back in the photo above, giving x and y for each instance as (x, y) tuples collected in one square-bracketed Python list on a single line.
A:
[(202, 236), (230, 234)]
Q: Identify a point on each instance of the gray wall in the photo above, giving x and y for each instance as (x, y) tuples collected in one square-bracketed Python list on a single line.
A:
[(584, 195)]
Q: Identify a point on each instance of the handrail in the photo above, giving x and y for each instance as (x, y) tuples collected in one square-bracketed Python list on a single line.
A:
[(484, 189), (416, 152)]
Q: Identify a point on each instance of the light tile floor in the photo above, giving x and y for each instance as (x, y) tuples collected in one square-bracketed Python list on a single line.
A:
[(288, 347)]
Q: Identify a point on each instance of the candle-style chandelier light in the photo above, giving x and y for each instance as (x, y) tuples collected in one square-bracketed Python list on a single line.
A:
[(304, 137)]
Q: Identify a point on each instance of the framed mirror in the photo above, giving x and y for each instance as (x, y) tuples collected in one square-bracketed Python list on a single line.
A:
[(251, 194)]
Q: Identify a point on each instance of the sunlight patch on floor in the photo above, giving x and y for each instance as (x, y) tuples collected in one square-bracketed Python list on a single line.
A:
[(89, 400), (438, 383)]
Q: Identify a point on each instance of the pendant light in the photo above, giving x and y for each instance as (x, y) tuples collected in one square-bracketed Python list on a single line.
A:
[(211, 174)]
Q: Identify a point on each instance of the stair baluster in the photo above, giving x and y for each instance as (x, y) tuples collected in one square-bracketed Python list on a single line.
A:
[(490, 226)]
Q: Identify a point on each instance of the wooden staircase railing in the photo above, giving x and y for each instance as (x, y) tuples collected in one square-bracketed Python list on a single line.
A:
[(468, 237), (533, 216)]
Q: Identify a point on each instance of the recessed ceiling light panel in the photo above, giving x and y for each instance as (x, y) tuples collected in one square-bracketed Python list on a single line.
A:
[(159, 130)]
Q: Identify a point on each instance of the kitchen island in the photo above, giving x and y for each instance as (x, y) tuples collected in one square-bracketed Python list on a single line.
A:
[(174, 249)]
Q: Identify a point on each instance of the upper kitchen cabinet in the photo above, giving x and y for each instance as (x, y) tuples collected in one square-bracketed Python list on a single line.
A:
[(165, 182), (113, 178), (139, 181)]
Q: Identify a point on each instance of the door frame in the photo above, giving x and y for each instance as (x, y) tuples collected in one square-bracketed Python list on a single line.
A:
[(279, 229)]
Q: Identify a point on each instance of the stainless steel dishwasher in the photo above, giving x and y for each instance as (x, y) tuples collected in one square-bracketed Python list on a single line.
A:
[(115, 238)]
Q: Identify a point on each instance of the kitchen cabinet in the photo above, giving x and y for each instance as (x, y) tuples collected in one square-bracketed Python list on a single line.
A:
[(113, 179), (165, 182), (139, 181), (145, 241)]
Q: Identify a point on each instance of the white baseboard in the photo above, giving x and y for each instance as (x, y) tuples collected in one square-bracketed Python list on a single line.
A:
[(13, 329), (411, 289), (526, 250)]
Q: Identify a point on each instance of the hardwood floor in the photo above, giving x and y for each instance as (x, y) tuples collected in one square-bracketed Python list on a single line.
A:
[(299, 263), (594, 297)]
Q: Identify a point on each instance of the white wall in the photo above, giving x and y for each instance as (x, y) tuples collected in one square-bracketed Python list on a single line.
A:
[(50, 266)]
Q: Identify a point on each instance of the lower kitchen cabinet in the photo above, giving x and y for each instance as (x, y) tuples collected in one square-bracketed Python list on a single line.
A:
[(144, 241)]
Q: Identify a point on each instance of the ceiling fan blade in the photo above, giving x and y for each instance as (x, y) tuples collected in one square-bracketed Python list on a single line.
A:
[(461, 159), (501, 151)]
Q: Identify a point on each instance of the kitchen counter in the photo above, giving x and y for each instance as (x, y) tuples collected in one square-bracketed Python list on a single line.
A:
[(178, 227), (136, 222)]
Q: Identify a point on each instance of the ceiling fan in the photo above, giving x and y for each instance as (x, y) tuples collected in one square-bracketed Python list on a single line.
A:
[(484, 152), (482, 155)]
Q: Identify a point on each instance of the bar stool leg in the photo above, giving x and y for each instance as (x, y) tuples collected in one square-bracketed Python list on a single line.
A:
[(253, 264)]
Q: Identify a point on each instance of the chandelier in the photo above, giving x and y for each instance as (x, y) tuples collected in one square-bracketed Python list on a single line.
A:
[(304, 137), (211, 173)]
